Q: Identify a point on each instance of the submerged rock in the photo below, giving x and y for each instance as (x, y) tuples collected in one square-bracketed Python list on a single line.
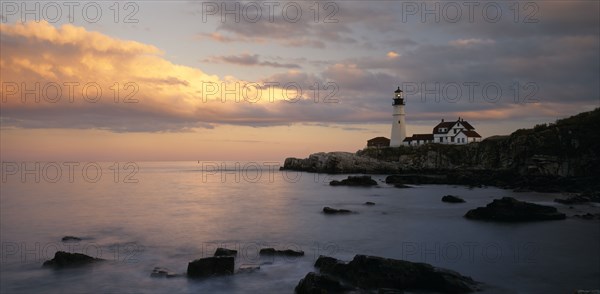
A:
[(374, 273), (509, 209), (287, 252), (71, 239), (160, 272), (364, 181), (65, 259), (329, 210), (588, 216), (225, 252), (314, 283), (581, 198), (248, 268), (452, 199), (211, 266)]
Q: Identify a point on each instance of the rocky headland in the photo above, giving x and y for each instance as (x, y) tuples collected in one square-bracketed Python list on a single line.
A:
[(560, 157)]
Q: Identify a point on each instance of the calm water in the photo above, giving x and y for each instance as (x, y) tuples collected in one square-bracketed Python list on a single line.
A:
[(176, 213)]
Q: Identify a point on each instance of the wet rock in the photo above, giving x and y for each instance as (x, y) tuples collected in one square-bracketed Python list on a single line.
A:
[(210, 266), (225, 252), (65, 259), (385, 274), (369, 203), (452, 199), (329, 210), (287, 252), (71, 239), (509, 209), (160, 272), (314, 283), (364, 181)]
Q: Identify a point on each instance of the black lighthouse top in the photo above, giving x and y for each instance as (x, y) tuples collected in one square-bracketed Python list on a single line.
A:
[(398, 97)]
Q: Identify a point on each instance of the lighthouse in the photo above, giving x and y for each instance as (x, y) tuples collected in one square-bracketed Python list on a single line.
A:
[(398, 122)]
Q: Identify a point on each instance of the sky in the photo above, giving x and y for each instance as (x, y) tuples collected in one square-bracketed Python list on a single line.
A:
[(266, 80)]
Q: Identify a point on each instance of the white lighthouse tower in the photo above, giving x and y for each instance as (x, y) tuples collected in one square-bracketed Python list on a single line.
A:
[(398, 123)]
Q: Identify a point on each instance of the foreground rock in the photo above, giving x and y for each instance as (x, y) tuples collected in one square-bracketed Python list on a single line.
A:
[(65, 259), (376, 273), (225, 252), (364, 181), (314, 283), (452, 199), (329, 210), (509, 209), (211, 266), (160, 272), (287, 252)]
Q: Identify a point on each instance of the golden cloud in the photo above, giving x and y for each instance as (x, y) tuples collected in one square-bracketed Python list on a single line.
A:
[(69, 68)]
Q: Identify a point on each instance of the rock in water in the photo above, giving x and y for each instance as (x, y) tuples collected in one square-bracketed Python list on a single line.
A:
[(159, 272), (65, 259), (509, 209), (210, 266), (452, 199), (364, 181), (329, 210), (369, 203), (225, 252), (314, 283), (287, 252), (248, 268), (71, 239), (373, 273)]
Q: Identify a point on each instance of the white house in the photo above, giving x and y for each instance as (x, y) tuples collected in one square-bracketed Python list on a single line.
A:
[(457, 132)]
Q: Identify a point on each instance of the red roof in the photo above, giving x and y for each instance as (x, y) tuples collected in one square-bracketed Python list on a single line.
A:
[(381, 139)]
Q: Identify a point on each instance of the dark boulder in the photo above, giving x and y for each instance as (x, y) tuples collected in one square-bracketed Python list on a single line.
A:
[(314, 283), (65, 259), (225, 252), (374, 273), (211, 266), (71, 239), (287, 252), (365, 181), (509, 209), (329, 210), (452, 199), (369, 203)]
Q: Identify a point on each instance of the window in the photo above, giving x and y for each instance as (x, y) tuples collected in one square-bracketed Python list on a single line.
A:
[(452, 139), (441, 139)]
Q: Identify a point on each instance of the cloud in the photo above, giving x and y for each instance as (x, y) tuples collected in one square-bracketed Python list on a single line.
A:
[(249, 60), (471, 42)]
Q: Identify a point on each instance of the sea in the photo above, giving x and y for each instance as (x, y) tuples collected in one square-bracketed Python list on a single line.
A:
[(142, 215)]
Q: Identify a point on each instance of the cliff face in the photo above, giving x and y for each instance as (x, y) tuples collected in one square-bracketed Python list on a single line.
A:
[(567, 148)]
